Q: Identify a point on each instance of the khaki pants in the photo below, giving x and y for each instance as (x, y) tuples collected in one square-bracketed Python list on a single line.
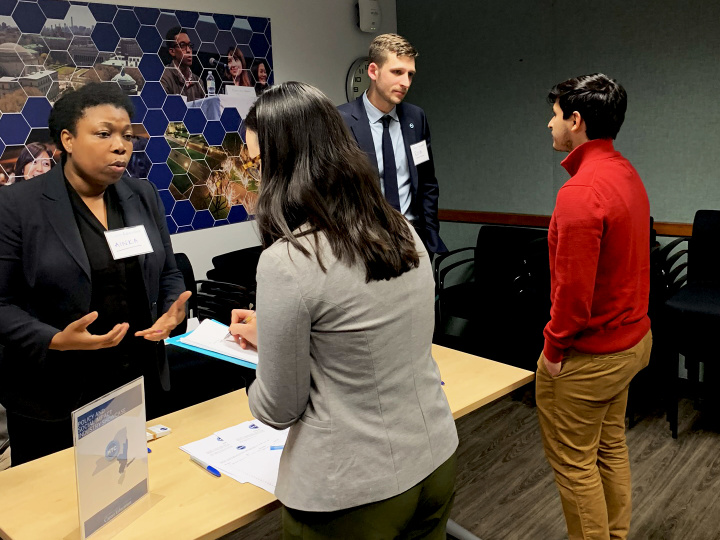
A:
[(582, 421)]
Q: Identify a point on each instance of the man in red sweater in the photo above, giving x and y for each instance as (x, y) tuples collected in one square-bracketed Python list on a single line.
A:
[(599, 336)]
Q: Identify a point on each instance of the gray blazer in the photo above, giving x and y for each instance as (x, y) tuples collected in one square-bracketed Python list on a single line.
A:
[(347, 366)]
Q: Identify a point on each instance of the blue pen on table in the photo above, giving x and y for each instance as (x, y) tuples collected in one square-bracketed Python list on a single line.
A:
[(209, 468), (279, 447)]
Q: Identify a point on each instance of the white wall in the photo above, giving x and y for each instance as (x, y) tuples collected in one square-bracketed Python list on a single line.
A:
[(314, 41)]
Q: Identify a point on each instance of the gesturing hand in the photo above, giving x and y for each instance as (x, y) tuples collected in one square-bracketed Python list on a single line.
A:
[(76, 337), (167, 323), (243, 327)]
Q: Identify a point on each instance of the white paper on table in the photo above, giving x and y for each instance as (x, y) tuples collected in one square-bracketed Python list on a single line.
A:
[(262, 447), (214, 451), (247, 452), (211, 334)]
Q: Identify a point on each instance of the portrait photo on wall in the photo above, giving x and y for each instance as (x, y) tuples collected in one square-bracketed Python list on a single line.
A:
[(191, 77)]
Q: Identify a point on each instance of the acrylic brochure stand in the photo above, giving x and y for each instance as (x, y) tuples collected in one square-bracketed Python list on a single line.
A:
[(111, 461)]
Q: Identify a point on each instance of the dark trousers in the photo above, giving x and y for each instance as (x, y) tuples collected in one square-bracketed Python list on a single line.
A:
[(420, 512), (31, 438)]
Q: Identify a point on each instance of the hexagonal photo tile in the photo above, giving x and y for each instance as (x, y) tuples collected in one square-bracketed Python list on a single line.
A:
[(7, 163), (147, 15), (13, 61), (28, 17), (242, 30), (82, 76), (80, 20), (54, 9), (219, 207), (126, 23), (56, 35), (206, 28), (261, 73), (36, 111), (35, 44), (139, 164), (122, 66), (205, 52), (24, 162), (160, 175), (216, 158), (233, 144), (83, 51), (200, 197)]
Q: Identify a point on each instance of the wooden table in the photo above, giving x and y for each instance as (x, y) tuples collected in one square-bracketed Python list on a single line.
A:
[(38, 500)]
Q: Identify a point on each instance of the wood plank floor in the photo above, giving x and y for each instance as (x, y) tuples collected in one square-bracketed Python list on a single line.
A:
[(505, 488)]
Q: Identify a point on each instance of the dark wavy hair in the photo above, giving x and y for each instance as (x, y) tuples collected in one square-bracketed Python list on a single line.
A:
[(71, 107), (600, 100), (315, 175)]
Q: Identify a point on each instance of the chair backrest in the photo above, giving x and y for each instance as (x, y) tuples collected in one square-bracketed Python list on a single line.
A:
[(237, 267), (704, 248), (216, 300), (501, 256)]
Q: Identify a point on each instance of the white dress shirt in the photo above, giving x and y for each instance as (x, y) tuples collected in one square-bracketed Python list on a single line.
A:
[(401, 161)]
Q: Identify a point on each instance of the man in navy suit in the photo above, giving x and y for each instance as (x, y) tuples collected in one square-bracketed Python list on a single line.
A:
[(396, 133)]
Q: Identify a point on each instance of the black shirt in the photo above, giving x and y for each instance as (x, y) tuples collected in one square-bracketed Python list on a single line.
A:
[(118, 295)]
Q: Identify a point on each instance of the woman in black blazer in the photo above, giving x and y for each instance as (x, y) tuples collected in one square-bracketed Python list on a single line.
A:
[(76, 321)]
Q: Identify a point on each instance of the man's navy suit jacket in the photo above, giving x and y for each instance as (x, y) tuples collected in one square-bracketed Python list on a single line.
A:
[(414, 127), (45, 285)]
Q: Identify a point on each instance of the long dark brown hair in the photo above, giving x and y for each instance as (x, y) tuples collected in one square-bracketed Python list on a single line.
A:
[(314, 175)]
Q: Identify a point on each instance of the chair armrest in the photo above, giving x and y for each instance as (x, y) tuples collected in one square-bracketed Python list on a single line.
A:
[(440, 257), (667, 249), (675, 273), (444, 272), (672, 259)]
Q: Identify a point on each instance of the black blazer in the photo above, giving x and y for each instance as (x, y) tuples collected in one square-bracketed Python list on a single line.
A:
[(45, 285), (414, 127)]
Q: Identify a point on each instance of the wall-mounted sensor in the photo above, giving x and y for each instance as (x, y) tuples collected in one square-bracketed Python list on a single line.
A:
[(368, 15)]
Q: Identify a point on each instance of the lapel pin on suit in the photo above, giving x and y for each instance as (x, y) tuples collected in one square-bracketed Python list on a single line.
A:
[(412, 126)]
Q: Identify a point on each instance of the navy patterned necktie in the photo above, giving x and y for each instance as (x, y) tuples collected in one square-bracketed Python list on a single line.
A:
[(389, 168)]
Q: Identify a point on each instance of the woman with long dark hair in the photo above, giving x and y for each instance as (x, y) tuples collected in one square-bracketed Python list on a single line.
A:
[(343, 331), (237, 72)]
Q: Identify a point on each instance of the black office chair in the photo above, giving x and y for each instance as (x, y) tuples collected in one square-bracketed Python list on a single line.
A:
[(693, 314), (213, 299), (507, 304), (667, 275)]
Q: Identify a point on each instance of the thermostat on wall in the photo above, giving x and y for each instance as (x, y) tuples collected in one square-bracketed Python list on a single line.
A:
[(368, 15)]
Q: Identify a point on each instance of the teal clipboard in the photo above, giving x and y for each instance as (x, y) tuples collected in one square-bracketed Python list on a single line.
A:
[(176, 341)]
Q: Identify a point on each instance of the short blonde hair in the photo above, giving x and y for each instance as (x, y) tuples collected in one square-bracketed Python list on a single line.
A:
[(390, 43)]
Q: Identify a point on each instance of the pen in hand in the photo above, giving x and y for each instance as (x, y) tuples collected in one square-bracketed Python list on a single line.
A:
[(247, 320), (209, 468)]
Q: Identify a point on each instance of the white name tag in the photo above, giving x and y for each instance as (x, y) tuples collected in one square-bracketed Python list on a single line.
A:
[(128, 242), (420, 152)]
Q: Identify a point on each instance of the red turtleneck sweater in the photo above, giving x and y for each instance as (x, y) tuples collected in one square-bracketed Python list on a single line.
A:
[(599, 242)]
